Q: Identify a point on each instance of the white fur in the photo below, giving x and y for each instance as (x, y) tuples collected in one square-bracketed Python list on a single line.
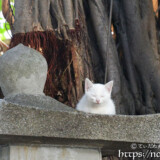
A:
[(97, 99)]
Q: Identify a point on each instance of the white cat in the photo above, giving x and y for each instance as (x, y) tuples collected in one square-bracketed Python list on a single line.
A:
[(97, 98)]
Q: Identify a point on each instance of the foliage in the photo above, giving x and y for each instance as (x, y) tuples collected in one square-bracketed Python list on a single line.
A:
[(4, 26)]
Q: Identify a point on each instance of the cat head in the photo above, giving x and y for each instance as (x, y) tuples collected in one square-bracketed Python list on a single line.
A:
[(98, 93)]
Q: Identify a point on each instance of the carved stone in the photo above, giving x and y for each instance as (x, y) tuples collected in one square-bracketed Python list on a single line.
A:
[(22, 70)]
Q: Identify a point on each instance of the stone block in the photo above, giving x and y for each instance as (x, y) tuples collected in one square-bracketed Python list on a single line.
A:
[(24, 121), (41, 152), (22, 70)]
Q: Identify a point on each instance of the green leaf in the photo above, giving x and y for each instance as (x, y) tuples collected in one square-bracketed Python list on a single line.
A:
[(2, 37), (5, 26)]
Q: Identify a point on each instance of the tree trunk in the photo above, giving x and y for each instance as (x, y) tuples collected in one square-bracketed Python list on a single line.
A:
[(49, 27), (72, 35), (142, 41)]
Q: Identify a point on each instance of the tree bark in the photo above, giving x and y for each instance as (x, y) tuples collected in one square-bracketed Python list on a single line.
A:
[(140, 20), (50, 28)]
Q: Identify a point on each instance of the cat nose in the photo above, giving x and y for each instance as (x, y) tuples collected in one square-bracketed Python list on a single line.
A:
[(97, 100)]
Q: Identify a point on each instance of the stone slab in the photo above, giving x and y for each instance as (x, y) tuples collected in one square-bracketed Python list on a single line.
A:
[(41, 152), (22, 122)]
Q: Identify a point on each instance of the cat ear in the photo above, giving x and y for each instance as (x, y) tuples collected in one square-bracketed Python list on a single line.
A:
[(88, 84), (109, 86)]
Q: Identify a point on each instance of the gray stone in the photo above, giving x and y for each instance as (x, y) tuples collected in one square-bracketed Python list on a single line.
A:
[(41, 152), (22, 70), (4, 153), (38, 101), (59, 124), (1, 101)]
